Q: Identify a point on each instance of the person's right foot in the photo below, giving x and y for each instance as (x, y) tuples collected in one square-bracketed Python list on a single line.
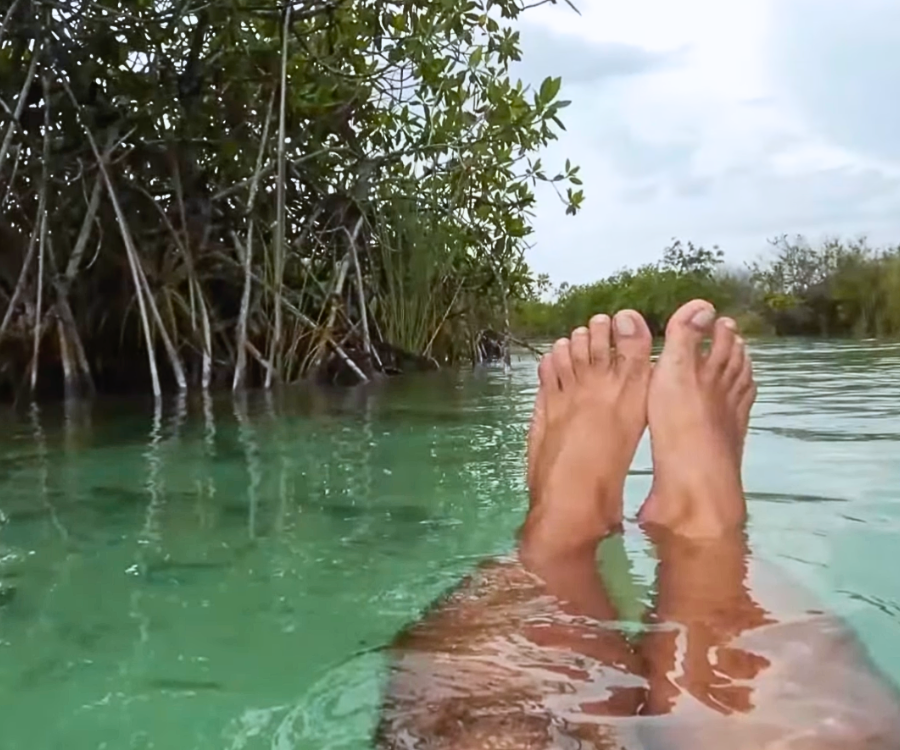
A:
[(698, 410)]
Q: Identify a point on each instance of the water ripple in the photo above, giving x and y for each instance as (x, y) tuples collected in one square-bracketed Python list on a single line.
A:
[(222, 573)]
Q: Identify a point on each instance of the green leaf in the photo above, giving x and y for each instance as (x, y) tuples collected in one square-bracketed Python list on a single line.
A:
[(544, 96), (549, 89)]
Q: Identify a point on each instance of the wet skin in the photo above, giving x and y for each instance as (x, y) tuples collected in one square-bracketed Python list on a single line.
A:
[(525, 653)]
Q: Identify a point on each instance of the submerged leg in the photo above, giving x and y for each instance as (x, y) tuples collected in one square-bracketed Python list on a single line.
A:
[(722, 667), (700, 406), (521, 655)]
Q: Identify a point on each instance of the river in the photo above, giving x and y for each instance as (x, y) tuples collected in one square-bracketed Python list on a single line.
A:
[(225, 573)]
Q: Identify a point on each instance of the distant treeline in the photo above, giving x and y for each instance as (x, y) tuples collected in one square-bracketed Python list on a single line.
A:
[(837, 288)]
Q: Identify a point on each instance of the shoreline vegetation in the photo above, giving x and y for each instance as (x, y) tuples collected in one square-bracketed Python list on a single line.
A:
[(200, 194), (837, 288), (240, 193)]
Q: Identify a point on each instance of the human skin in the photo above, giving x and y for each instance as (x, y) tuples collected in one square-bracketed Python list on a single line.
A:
[(525, 653)]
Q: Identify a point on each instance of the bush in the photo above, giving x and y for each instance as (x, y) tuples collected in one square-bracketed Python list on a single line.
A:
[(836, 289), (233, 191)]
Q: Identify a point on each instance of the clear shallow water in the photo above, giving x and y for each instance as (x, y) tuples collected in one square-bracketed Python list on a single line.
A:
[(224, 575)]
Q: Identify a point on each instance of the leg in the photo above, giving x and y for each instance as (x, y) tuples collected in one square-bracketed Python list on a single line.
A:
[(701, 408), (519, 655), (731, 670)]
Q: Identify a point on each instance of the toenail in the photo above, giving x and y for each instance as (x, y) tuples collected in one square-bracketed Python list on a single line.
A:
[(729, 324), (703, 319), (600, 319), (740, 341), (580, 331), (625, 325)]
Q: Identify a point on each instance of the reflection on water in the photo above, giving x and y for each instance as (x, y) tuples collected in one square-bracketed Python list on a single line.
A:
[(225, 572)]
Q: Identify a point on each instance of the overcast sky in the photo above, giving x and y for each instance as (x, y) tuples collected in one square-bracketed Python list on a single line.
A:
[(719, 121)]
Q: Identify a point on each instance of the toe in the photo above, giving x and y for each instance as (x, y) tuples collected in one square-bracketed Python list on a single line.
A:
[(744, 407), (600, 350), (744, 380), (745, 404), (580, 350), (724, 334), (687, 328), (633, 341), (562, 363), (547, 376), (735, 364)]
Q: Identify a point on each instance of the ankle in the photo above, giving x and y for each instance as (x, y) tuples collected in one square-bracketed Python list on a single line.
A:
[(540, 556), (696, 510), (544, 538), (708, 526)]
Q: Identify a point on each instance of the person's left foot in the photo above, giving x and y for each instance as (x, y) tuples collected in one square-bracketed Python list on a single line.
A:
[(590, 413), (519, 656)]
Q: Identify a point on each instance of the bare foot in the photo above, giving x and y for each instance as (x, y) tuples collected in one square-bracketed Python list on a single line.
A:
[(699, 408), (735, 670), (590, 413), (518, 656)]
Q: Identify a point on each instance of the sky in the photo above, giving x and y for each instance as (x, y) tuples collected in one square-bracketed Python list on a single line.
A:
[(723, 122)]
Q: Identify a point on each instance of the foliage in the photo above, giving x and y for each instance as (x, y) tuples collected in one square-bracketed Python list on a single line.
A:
[(656, 290), (837, 288), (244, 189)]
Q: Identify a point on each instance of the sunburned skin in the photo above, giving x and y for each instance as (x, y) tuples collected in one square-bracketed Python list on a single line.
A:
[(525, 653)]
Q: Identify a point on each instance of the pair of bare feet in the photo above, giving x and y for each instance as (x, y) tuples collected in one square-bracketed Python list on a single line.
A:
[(525, 655), (598, 393)]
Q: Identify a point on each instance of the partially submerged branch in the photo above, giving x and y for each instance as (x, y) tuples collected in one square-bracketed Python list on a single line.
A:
[(129, 246), (247, 256), (281, 218), (42, 242)]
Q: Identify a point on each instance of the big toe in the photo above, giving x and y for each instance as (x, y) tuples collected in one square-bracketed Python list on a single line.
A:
[(633, 341), (687, 328)]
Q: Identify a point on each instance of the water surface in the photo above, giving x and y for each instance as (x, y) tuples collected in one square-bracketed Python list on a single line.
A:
[(225, 574)]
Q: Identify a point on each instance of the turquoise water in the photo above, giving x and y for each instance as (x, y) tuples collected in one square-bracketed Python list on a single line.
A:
[(224, 574)]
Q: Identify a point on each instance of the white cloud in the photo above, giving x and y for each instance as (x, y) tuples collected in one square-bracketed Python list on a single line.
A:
[(722, 123), (837, 65)]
